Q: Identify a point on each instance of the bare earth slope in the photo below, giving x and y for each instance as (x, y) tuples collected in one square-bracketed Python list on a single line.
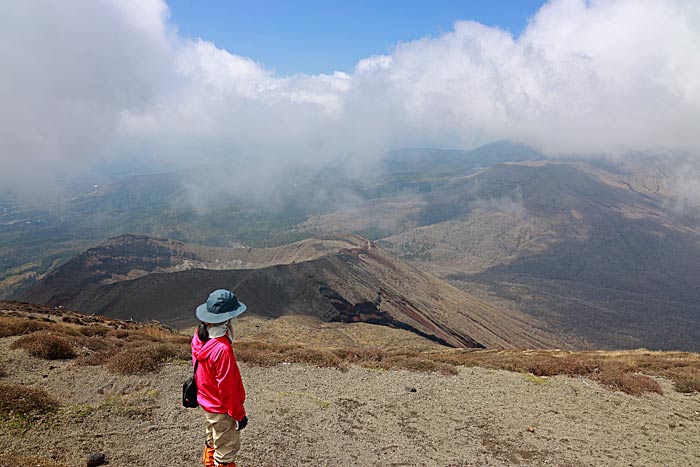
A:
[(345, 280), (607, 254)]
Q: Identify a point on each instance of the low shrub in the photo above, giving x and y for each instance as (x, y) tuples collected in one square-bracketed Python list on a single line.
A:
[(265, 354), (13, 326), (136, 361), (72, 320), (118, 333), (685, 380), (170, 351), (630, 383), (24, 400), (262, 353), (180, 339), (569, 366), (362, 356), (45, 345), (94, 330), (615, 372), (141, 360), (97, 344), (157, 333)]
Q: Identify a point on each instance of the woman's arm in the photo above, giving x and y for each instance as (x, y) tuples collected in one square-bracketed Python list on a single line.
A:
[(228, 378)]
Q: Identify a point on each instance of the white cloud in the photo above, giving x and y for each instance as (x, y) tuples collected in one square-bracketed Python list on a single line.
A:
[(87, 80), (69, 71)]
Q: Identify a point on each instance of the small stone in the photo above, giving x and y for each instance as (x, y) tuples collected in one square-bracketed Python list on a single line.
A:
[(96, 458), (411, 389), (531, 429)]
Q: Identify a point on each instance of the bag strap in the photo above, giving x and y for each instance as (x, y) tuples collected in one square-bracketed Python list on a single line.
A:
[(196, 364)]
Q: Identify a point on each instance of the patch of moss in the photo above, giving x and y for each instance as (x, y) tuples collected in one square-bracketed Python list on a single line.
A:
[(530, 378)]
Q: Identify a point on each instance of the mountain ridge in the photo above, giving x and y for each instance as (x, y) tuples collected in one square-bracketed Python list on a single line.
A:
[(575, 245), (348, 279)]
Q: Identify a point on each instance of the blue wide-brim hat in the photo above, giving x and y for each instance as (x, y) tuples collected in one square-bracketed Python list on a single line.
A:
[(222, 305)]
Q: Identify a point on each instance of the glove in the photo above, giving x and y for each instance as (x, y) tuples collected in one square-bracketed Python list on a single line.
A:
[(242, 423)]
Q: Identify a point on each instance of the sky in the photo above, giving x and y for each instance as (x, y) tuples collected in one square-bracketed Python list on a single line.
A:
[(93, 82), (316, 36)]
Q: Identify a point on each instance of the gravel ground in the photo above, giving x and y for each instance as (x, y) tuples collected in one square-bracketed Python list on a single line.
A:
[(307, 416)]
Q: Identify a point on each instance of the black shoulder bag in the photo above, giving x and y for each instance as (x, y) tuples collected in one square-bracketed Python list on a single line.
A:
[(189, 390)]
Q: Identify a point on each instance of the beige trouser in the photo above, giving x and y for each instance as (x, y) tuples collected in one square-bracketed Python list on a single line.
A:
[(223, 437)]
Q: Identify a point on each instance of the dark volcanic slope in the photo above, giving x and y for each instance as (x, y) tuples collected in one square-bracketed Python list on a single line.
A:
[(601, 254), (358, 282)]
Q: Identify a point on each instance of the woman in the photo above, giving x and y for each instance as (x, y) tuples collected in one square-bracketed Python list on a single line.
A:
[(220, 389)]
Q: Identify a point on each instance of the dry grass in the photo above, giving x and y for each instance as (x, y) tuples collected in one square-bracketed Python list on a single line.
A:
[(21, 325), (45, 345), (72, 320), (626, 381), (142, 360), (13, 326), (381, 359), (626, 371), (125, 348), (8, 460), (135, 362), (685, 381), (99, 344), (631, 372), (266, 354), (174, 351), (159, 333), (118, 333), (132, 348), (680, 367), (24, 400), (94, 330)]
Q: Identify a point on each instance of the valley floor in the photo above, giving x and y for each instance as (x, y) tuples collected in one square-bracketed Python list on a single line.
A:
[(307, 416)]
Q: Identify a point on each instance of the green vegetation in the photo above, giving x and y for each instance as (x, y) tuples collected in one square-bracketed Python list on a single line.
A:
[(530, 378)]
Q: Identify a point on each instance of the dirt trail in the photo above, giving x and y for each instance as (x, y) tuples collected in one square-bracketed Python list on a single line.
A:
[(307, 416)]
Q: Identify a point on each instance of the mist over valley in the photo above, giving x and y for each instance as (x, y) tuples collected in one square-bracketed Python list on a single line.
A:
[(599, 252)]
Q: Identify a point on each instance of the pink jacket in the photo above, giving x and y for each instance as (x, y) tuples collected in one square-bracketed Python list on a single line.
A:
[(219, 384)]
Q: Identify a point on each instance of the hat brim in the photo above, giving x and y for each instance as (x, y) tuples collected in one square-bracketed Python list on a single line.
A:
[(214, 318)]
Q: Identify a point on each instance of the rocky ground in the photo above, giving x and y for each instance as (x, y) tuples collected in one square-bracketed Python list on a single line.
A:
[(306, 416)]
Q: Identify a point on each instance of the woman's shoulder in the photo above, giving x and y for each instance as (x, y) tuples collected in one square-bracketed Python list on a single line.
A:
[(221, 345)]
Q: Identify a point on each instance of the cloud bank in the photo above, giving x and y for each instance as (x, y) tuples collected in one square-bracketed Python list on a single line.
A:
[(90, 81)]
